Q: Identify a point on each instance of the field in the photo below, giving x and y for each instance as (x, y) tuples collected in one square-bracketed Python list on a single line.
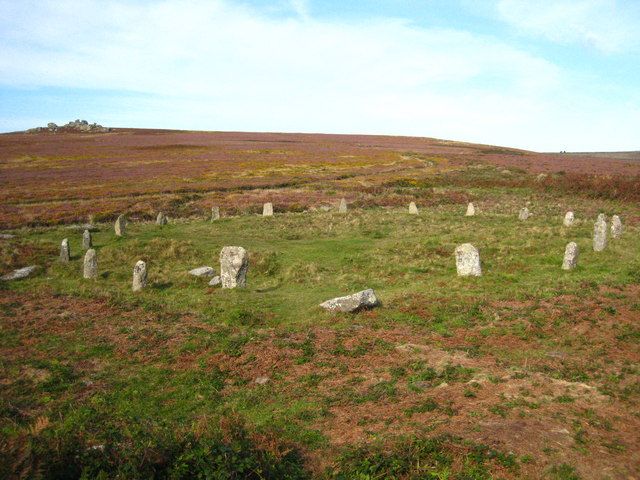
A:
[(526, 372)]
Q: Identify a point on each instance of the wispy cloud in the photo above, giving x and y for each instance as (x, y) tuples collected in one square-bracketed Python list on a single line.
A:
[(607, 25), (211, 64)]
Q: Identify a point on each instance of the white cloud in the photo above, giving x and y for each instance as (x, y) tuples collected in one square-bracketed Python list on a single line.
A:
[(212, 65), (608, 25)]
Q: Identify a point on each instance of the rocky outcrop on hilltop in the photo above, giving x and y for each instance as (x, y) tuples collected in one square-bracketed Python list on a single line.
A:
[(81, 126)]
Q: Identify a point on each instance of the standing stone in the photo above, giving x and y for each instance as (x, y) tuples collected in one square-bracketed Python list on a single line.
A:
[(471, 210), (234, 263), (90, 269), (602, 217), (139, 276), (87, 242), (161, 219), (468, 261), (600, 234), (413, 210), (120, 225), (616, 227), (570, 256), (65, 253), (569, 218), (342, 208), (92, 220), (267, 210), (524, 214), (215, 213)]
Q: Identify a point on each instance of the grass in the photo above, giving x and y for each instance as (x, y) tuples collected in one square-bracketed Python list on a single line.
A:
[(150, 368)]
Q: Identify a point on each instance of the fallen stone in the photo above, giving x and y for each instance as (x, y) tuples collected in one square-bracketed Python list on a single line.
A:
[(120, 225), (569, 218), (139, 276), (616, 227), (6, 236), (471, 210), (202, 272), (342, 208), (261, 380), (20, 273), (600, 234), (161, 219), (267, 210), (215, 281), (413, 209), (65, 253), (468, 261), (215, 213), (234, 263), (90, 266), (87, 242), (352, 303), (524, 214), (571, 254)]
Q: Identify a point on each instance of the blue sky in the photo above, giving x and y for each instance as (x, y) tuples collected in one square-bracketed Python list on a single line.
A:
[(542, 75)]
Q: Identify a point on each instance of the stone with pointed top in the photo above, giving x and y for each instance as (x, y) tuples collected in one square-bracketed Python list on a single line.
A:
[(616, 227), (600, 234), (161, 219), (215, 213), (90, 265), (524, 214), (413, 209), (120, 225), (468, 261), (571, 253), (342, 208), (569, 218), (87, 241), (352, 303), (139, 276), (267, 210), (234, 263), (471, 210), (65, 252)]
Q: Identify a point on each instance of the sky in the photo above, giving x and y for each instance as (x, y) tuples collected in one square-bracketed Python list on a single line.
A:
[(544, 75)]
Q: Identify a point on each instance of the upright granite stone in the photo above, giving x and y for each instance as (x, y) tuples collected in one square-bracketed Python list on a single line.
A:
[(234, 263), (600, 234), (352, 303), (413, 209), (570, 256), (161, 219), (215, 213), (616, 227), (267, 210), (601, 217), (468, 261), (569, 218), (342, 208), (87, 241), (139, 276), (524, 214), (471, 210), (120, 225), (65, 253), (90, 266)]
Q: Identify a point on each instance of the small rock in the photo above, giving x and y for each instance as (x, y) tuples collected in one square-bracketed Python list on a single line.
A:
[(20, 273), (571, 253), (569, 218), (413, 209), (215, 281), (524, 214), (234, 263), (342, 208), (261, 380), (202, 272), (471, 210), (468, 261), (65, 253), (139, 276), (352, 303), (267, 210)]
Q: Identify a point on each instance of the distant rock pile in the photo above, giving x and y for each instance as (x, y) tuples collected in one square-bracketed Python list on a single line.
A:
[(80, 126)]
